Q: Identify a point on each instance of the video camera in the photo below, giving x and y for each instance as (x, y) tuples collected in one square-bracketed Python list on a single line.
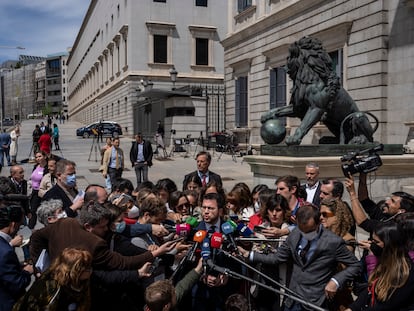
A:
[(363, 161)]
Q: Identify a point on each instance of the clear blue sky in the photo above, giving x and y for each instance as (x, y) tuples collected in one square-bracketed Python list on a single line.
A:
[(42, 27)]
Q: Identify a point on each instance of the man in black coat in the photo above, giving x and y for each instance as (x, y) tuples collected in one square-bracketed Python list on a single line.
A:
[(203, 163), (141, 158)]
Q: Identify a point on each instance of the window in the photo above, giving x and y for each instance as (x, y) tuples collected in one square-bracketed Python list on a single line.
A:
[(201, 3), (241, 102), (337, 63), (278, 89), (243, 4), (160, 1), (180, 111), (160, 49), (201, 51)]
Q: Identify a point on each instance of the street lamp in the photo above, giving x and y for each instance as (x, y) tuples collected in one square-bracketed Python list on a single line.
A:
[(173, 76)]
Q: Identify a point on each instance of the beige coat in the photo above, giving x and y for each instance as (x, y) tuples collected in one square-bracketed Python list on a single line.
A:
[(107, 159)]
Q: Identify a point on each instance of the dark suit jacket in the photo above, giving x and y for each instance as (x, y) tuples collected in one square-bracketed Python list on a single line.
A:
[(133, 153), (316, 199), (212, 177), (13, 279), (68, 232), (56, 192), (309, 280)]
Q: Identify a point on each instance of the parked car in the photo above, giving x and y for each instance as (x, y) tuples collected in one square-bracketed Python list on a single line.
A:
[(110, 128), (8, 122)]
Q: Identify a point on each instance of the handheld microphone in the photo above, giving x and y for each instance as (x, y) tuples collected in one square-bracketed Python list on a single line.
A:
[(216, 240), (205, 253), (228, 232), (232, 223), (198, 238), (192, 221), (182, 230), (244, 230)]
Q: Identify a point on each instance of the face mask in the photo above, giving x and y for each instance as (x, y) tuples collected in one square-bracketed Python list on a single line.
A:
[(120, 227), (71, 180), (61, 215), (375, 249), (256, 206), (310, 235), (133, 212)]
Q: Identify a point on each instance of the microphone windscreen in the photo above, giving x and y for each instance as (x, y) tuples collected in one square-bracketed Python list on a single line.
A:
[(199, 236), (244, 230), (192, 221), (232, 223), (205, 249), (183, 229), (216, 240), (227, 228)]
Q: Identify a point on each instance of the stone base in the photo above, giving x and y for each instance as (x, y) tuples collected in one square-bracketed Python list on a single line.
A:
[(396, 173), (326, 150)]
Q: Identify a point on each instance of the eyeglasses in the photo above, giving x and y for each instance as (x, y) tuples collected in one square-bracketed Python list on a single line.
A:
[(327, 214), (209, 208), (186, 205)]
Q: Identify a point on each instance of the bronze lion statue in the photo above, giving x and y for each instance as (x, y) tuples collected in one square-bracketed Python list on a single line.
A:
[(317, 95)]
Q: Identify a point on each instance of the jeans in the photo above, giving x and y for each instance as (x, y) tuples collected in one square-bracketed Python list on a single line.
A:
[(5, 152), (141, 171), (114, 174)]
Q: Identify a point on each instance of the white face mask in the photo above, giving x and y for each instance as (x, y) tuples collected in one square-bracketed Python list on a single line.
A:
[(256, 206), (61, 215), (133, 212)]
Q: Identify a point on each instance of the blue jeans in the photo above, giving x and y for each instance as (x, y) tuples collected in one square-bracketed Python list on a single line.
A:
[(5, 152)]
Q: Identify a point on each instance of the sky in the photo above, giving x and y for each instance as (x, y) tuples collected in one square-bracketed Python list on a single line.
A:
[(42, 27)]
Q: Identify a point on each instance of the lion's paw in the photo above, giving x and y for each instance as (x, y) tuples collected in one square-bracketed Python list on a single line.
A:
[(292, 140)]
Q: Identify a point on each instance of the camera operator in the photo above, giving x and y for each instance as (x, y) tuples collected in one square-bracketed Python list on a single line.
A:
[(399, 202)]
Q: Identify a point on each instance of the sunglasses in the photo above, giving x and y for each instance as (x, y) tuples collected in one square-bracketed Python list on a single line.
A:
[(327, 214)]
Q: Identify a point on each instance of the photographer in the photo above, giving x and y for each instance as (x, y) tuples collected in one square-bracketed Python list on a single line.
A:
[(399, 202)]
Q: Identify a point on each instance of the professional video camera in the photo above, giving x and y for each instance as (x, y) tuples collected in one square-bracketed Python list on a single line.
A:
[(363, 161)]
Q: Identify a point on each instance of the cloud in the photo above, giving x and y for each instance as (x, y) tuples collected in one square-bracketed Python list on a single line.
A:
[(43, 27)]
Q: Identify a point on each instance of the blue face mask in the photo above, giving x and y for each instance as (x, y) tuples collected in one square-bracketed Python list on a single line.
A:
[(71, 180), (120, 227)]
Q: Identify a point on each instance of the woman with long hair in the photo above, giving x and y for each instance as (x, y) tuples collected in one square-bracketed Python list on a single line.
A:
[(239, 203), (337, 217), (391, 283), (64, 286)]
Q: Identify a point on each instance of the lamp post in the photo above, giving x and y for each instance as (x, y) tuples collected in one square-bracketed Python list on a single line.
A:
[(173, 76)]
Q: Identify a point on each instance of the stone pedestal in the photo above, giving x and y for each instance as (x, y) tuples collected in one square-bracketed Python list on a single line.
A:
[(396, 173)]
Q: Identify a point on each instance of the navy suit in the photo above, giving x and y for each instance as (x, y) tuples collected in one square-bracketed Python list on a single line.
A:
[(213, 298), (309, 279), (5, 142), (13, 279), (211, 177)]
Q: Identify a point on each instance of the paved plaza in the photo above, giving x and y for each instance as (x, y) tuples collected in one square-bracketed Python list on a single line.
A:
[(85, 153)]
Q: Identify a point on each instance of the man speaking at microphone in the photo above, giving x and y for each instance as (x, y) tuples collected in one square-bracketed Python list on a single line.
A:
[(211, 292)]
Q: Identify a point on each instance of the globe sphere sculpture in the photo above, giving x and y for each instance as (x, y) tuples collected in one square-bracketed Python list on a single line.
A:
[(273, 131)]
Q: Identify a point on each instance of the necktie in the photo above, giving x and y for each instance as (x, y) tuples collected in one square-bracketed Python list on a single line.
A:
[(203, 180), (304, 253), (116, 159), (212, 229)]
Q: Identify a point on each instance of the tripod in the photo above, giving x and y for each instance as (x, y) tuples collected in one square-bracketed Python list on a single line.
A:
[(200, 141), (95, 145)]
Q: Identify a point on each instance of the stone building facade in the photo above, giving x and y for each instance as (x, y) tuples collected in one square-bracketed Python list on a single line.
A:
[(370, 41), (119, 66)]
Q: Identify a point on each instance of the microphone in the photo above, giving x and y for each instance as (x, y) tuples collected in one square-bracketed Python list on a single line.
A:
[(228, 232), (205, 253), (198, 238), (216, 240), (192, 221), (181, 230), (244, 230)]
